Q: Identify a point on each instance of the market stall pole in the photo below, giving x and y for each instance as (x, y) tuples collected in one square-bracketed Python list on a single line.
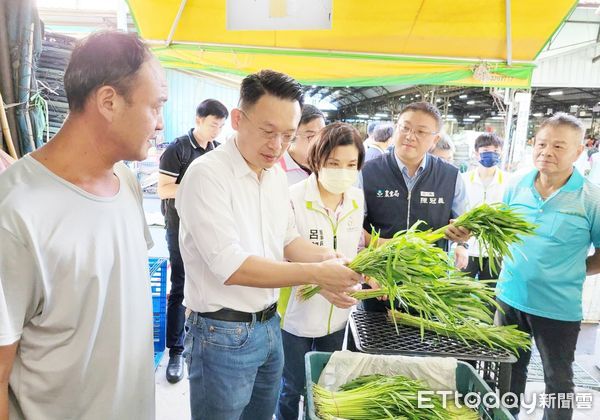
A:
[(6, 130)]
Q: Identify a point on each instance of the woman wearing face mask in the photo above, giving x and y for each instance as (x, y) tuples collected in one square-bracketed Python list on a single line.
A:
[(485, 184), (328, 211)]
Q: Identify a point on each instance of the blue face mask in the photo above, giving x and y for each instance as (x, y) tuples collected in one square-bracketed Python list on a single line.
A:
[(489, 159)]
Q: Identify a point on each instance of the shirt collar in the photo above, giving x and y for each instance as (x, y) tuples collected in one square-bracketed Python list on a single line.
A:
[(403, 167), (291, 164), (209, 146), (497, 179), (193, 141), (312, 190), (574, 183), (240, 166)]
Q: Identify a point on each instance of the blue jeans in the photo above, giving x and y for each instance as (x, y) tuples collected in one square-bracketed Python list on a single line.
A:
[(175, 308), (293, 382), (234, 368)]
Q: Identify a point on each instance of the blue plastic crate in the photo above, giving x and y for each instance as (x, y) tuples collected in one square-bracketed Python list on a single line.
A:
[(158, 285)]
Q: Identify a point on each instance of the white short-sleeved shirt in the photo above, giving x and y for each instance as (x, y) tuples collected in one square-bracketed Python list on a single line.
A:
[(315, 223), (227, 215), (594, 175), (75, 293)]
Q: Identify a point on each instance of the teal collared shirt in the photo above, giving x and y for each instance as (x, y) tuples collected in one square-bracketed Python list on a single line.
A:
[(546, 274)]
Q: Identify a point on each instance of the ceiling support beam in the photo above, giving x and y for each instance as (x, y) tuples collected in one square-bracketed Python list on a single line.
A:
[(355, 55), (169, 40), (508, 34)]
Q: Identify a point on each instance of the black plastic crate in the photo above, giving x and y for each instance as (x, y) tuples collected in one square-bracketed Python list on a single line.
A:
[(375, 333)]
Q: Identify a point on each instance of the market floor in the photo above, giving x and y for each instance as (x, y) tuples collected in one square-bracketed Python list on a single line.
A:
[(172, 401)]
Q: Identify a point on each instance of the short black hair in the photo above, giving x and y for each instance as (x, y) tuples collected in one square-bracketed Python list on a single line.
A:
[(310, 113), (488, 139), (383, 132), (428, 109), (211, 107), (330, 137), (255, 85), (106, 58)]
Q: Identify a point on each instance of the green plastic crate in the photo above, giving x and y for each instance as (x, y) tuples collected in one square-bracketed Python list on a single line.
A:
[(467, 380)]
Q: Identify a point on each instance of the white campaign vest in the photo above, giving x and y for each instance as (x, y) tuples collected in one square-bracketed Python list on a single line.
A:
[(310, 318), (479, 194)]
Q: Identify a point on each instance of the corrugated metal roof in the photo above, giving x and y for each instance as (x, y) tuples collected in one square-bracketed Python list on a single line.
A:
[(185, 93), (572, 69)]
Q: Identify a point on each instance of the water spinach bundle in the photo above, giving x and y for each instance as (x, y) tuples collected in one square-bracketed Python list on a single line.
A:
[(410, 269), (374, 397)]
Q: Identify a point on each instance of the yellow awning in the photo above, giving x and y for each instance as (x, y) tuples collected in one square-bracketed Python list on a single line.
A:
[(377, 42)]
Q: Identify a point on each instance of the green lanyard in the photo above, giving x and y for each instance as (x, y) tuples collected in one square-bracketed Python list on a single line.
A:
[(336, 224)]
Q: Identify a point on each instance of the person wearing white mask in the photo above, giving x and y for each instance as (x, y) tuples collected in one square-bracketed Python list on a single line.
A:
[(328, 211)]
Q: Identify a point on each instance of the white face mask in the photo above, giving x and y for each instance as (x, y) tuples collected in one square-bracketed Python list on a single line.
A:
[(337, 181)]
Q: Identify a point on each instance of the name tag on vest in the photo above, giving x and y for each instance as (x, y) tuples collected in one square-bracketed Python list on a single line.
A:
[(427, 194)]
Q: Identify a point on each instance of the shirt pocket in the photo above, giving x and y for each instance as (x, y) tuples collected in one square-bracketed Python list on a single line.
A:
[(570, 228)]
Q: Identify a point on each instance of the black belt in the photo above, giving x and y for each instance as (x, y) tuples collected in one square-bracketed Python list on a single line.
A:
[(237, 316)]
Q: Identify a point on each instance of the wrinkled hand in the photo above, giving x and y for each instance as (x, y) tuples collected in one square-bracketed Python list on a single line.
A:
[(461, 257), (334, 276), (457, 234), (341, 300), (375, 286)]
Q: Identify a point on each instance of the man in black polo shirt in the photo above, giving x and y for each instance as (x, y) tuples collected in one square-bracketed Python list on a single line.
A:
[(409, 184), (210, 118)]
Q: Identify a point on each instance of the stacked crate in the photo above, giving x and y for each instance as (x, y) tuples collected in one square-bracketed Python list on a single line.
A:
[(158, 284)]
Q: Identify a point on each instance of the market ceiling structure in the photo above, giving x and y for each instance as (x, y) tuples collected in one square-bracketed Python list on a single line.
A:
[(375, 43), (460, 102)]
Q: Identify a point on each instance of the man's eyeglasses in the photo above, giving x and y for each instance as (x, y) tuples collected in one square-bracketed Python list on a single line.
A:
[(286, 138), (418, 132)]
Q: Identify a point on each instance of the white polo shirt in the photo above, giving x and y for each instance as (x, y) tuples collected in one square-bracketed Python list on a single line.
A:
[(594, 175), (227, 214), (316, 223), (478, 193)]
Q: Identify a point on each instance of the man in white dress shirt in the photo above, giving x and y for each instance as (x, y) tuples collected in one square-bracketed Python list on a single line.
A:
[(235, 235)]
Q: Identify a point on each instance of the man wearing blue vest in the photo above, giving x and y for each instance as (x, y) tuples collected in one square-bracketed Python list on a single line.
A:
[(540, 288), (408, 184)]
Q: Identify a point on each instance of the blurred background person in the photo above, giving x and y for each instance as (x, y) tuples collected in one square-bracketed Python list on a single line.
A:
[(174, 162), (294, 161), (484, 184), (444, 148), (382, 139), (370, 129)]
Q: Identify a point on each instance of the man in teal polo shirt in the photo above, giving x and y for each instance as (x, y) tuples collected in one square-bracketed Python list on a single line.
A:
[(540, 289)]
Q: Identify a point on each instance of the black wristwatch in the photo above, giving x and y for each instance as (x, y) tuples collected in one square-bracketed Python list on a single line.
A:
[(465, 245)]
